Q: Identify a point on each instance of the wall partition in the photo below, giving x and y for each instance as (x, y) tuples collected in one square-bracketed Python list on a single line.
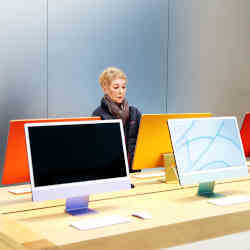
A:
[(23, 86), (85, 37), (209, 57)]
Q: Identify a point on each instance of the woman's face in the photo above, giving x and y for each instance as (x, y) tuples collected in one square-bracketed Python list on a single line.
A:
[(116, 90)]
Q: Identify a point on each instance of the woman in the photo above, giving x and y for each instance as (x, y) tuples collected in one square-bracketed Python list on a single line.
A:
[(115, 106)]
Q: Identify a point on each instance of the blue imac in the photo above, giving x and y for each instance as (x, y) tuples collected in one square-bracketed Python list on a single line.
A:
[(73, 160), (206, 150)]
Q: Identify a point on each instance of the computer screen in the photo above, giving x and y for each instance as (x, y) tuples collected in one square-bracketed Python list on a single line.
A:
[(245, 134), (153, 139), (207, 149), (16, 169), (72, 159)]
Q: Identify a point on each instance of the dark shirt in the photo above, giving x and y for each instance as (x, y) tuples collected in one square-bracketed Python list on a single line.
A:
[(130, 129)]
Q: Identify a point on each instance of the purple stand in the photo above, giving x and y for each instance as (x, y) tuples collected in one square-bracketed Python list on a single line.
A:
[(78, 205)]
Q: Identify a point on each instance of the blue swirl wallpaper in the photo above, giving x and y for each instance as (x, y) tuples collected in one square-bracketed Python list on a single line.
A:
[(207, 149)]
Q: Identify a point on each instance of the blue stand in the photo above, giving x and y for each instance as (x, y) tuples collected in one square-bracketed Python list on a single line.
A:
[(206, 189), (78, 205)]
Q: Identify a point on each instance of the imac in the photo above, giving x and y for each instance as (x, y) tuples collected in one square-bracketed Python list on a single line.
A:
[(16, 169), (207, 150), (154, 140), (245, 134), (73, 160)]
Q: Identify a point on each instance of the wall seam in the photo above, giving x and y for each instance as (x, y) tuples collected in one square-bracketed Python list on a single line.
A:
[(47, 58), (164, 53), (167, 58)]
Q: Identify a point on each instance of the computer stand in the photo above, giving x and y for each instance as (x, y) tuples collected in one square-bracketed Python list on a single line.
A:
[(170, 169), (78, 205), (206, 189)]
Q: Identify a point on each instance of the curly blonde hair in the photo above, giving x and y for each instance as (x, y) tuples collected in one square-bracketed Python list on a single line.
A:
[(110, 74)]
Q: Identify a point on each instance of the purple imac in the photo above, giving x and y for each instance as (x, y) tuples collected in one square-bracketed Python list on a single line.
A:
[(73, 160)]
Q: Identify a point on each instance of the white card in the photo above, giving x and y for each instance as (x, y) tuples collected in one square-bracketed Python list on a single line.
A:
[(230, 200), (104, 221), (20, 190)]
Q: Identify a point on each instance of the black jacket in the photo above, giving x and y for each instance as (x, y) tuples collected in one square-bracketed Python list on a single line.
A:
[(130, 129)]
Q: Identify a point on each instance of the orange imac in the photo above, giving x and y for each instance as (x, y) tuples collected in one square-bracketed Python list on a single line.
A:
[(154, 139), (16, 169)]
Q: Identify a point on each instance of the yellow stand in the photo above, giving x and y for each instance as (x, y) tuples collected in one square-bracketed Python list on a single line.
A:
[(170, 168)]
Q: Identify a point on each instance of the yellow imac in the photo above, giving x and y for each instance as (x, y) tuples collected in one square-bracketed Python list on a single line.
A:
[(154, 139)]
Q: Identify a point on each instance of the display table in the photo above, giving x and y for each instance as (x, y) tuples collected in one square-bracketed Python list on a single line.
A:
[(21, 202), (13, 203), (178, 217)]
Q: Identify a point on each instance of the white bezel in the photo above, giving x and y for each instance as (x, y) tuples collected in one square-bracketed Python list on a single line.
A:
[(60, 190)]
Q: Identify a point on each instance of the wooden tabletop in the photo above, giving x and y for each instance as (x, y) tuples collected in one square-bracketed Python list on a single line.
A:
[(179, 216), (10, 202)]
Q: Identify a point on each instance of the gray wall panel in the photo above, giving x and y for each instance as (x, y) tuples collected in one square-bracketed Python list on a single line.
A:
[(22, 63), (84, 37), (209, 57)]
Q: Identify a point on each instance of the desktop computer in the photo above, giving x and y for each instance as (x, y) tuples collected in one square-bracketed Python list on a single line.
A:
[(73, 160), (207, 150)]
